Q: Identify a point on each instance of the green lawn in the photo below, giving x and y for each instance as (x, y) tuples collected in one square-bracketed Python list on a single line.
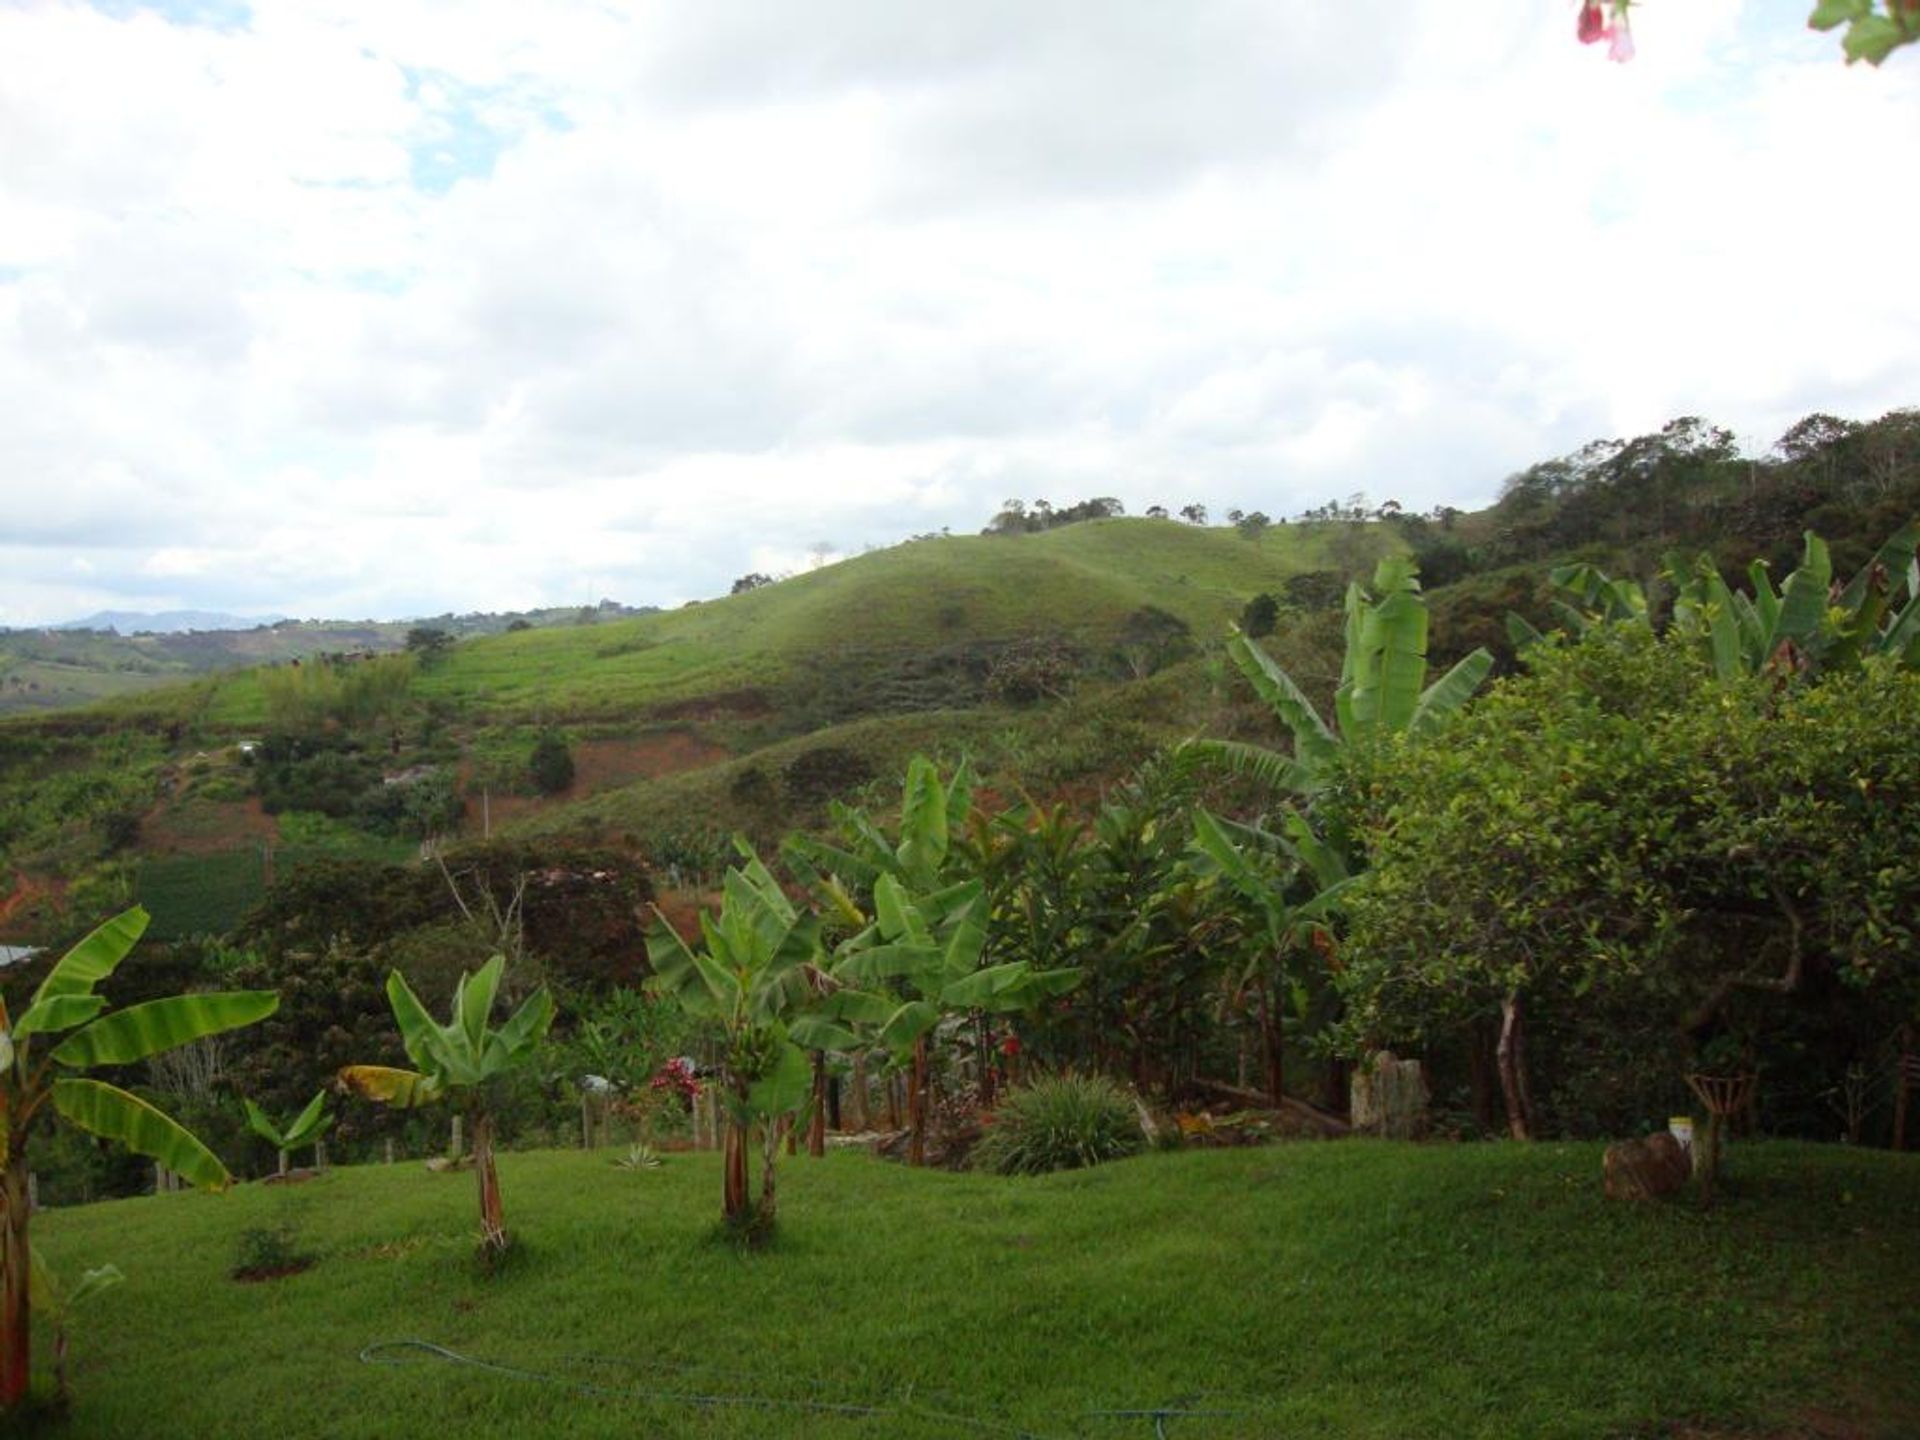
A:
[(1314, 1290)]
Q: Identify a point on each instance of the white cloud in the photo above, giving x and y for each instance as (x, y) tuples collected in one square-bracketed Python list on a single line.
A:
[(396, 308)]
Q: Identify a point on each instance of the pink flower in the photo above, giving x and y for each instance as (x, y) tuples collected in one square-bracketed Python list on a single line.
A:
[(1593, 23), (1621, 49)]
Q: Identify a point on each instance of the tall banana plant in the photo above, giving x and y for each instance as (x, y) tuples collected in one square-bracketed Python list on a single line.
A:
[(31, 1080), (467, 1054), (920, 961), (1805, 622), (1383, 684), (756, 974), (1253, 863), (916, 920)]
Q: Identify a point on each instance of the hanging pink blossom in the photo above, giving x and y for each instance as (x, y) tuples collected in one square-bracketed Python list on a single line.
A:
[(1593, 23), (1620, 50)]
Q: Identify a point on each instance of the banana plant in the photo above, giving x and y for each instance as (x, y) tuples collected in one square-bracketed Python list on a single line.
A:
[(920, 961), (756, 974), (53, 1301), (1244, 858), (1383, 684), (1587, 597), (1808, 621), (307, 1127), (466, 1054), (32, 1080)]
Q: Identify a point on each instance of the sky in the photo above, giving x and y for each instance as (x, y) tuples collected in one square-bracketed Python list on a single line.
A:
[(390, 309)]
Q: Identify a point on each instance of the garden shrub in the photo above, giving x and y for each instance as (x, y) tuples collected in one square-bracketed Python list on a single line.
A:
[(1059, 1122)]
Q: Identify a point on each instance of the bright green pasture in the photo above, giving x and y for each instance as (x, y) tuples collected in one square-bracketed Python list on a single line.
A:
[(1350, 1289)]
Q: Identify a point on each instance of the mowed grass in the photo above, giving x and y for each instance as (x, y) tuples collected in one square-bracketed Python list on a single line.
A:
[(1351, 1289)]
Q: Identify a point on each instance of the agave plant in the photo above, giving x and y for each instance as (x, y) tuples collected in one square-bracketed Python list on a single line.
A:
[(464, 1054), (307, 1127), (30, 1081)]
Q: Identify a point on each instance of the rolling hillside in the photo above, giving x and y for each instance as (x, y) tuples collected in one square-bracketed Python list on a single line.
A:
[(1055, 659)]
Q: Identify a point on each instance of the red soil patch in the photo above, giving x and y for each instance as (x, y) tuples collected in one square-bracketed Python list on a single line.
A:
[(27, 891), (608, 764), (745, 704), (681, 909)]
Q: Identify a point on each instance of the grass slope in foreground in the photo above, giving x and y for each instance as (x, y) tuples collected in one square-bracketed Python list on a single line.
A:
[(1354, 1289)]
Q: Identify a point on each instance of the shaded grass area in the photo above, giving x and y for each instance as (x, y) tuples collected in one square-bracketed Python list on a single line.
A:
[(1356, 1289)]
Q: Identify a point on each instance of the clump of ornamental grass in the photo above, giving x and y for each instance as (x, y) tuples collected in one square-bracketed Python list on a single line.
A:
[(1059, 1122)]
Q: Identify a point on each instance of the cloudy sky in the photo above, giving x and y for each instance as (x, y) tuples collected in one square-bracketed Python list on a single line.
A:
[(389, 308)]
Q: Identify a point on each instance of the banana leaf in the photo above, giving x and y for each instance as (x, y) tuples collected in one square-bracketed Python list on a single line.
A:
[(62, 1012), (1313, 743), (106, 1110), (142, 1030), (95, 957), (402, 1089)]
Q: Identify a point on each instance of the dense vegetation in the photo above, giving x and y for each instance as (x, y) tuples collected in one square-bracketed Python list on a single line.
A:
[(1022, 820)]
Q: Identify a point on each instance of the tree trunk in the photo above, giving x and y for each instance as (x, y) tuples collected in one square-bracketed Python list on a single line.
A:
[(893, 1101), (16, 1340), (1480, 1074), (862, 1112), (983, 1048), (1903, 1087), (734, 1164), (1511, 1059), (917, 1105), (1270, 1052), (493, 1229), (817, 1126), (283, 1162), (770, 1149)]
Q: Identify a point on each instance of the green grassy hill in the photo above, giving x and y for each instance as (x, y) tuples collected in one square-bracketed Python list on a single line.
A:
[(1053, 658), (1080, 582), (1354, 1289)]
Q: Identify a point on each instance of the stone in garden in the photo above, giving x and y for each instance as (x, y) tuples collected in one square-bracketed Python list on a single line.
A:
[(1648, 1169), (1390, 1098)]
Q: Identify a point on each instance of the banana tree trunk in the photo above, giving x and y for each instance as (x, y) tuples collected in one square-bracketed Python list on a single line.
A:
[(734, 1165), (770, 1150), (983, 1048), (1271, 1055), (817, 1126), (15, 1314), (862, 1110), (917, 1105), (493, 1229)]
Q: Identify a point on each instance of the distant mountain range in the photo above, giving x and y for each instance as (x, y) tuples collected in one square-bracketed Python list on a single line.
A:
[(165, 622)]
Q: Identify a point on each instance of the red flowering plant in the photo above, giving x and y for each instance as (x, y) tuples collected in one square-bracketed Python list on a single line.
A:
[(1607, 21)]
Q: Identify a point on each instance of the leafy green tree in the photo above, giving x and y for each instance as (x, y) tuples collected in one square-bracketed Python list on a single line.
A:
[(1623, 831), (550, 766), (1260, 617), (30, 1083), (429, 643), (466, 1054)]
